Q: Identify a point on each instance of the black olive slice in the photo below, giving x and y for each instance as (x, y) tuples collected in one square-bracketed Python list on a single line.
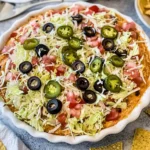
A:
[(25, 67), (121, 53), (78, 66), (41, 50), (82, 83), (108, 44), (89, 31), (54, 106), (34, 83), (89, 96), (48, 27), (77, 18), (98, 86)]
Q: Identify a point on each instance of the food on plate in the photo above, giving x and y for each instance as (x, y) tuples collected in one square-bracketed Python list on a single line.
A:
[(2, 147), (145, 7), (75, 70), (115, 146), (143, 136)]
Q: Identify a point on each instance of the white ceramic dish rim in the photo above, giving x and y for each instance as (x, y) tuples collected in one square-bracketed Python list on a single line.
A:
[(141, 16), (69, 139)]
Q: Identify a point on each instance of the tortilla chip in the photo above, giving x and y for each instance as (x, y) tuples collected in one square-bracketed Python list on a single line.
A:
[(115, 146), (147, 6), (2, 147), (147, 111), (141, 140), (147, 12)]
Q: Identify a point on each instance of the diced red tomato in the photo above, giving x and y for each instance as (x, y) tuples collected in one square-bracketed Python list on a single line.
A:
[(24, 89), (92, 38), (22, 39), (114, 115), (78, 106), (130, 65), (134, 34), (61, 70), (62, 118), (87, 24), (48, 59), (131, 73), (138, 80), (11, 76), (57, 12), (75, 113), (53, 58), (23, 30), (75, 104), (34, 60), (82, 101), (49, 68), (71, 97), (13, 34), (5, 49), (77, 8), (118, 28), (72, 77), (94, 8), (128, 26), (89, 12), (11, 65), (95, 43), (35, 24), (72, 105), (101, 49)]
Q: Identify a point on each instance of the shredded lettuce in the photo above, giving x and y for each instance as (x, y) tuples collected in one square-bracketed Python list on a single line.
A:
[(122, 105), (20, 55), (27, 105), (30, 107), (13, 93), (101, 97), (90, 121), (123, 40), (135, 50), (59, 20), (40, 72), (122, 94)]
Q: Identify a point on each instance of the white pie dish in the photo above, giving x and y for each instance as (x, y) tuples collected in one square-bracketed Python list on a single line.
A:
[(78, 139), (144, 18)]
